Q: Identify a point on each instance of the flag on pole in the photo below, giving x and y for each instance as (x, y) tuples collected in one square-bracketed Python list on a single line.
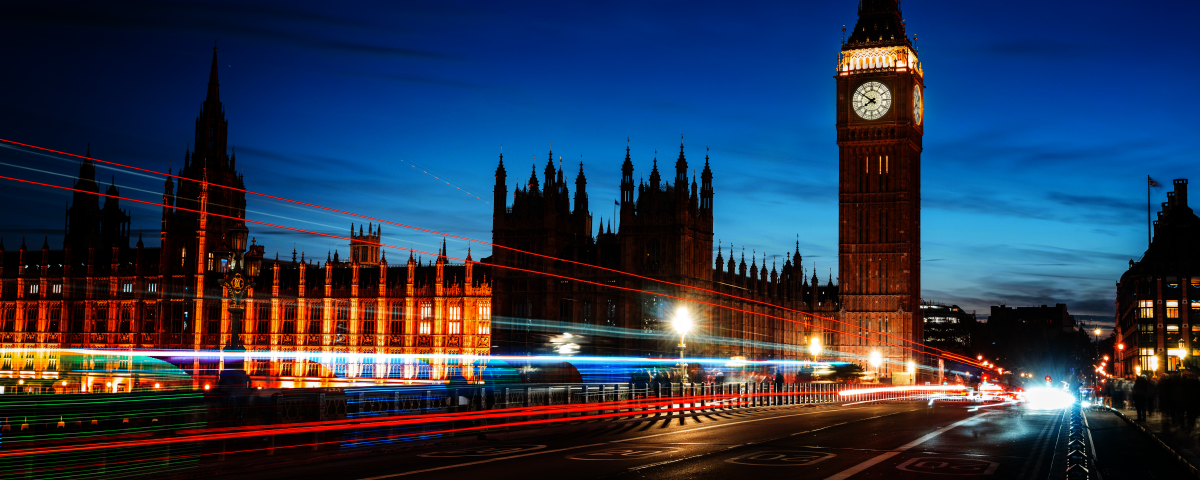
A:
[(615, 202), (1153, 183)]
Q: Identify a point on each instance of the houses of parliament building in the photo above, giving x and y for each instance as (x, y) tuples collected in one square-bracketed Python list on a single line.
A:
[(615, 285), (98, 292)]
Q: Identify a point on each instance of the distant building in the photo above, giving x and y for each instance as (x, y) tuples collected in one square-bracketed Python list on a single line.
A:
[(948, 327), (1051, 319), (1158, 298)]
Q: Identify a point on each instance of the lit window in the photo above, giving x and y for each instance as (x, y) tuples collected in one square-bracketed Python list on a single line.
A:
[(485, 311), (35, 288), (127, 288), (426, 310), (454, 328), (1172, 308), (455, 312), (152, 287), (1145, 308), (56, 288), (483, 329), (426, 328)]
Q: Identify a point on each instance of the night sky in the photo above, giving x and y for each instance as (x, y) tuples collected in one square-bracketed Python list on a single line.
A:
[(1042, 120)]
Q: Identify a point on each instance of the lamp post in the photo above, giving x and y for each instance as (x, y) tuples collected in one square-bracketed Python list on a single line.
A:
[(876, 360), (682, 323), (814, 347), (239, 267)]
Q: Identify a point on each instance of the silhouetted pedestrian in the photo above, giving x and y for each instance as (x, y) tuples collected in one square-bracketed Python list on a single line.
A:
[(1190, 386), (1141, 386)]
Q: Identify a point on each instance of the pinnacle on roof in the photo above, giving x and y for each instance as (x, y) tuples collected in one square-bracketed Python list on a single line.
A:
[(500, 168), (46, 242), (880, 23), (214, 94)]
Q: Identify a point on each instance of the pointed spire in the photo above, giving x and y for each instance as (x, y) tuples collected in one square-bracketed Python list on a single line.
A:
[(681, 168), (500, 172), (46, 243), (533, 181), (140, 244), (214, 95), (382, 256), (654, 176), (468, 251)]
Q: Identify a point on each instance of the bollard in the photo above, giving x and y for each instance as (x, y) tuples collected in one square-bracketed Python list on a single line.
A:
[(586, 400)]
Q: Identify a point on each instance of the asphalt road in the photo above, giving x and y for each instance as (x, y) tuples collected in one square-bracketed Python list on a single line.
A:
[(894, 441)]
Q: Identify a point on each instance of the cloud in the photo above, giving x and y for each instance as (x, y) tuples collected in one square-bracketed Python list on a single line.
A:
[(209, 17), (437, 82)]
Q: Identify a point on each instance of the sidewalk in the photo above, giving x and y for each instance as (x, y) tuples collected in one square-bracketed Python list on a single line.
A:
[(1180, 444)]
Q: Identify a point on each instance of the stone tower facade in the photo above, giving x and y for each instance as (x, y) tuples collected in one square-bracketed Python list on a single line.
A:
[(880, 122)]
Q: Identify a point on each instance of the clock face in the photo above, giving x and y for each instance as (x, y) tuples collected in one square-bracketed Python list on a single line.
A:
[(918, 105), (872, 100)]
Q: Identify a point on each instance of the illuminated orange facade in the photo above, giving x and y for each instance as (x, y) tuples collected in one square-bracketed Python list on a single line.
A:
[(98, 292)]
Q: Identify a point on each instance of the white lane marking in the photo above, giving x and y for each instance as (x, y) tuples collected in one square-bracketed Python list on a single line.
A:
[(847, 473), (1037, 443), (477, 462), (731, 447), (1092, 443), (540, 452), (1037, 467)]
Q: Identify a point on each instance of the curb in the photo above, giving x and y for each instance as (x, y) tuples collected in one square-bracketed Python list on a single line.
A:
[(1182, 461)]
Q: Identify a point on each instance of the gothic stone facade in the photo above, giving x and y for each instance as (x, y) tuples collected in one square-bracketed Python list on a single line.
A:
[(98, 292), (664, 238)]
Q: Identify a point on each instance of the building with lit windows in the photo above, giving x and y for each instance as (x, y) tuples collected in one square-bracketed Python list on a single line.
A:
[(948, 327), (98, 292), (1158, 298)]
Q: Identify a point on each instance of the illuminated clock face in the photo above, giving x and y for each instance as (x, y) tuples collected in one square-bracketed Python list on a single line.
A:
[(872, 100), (918, 105)]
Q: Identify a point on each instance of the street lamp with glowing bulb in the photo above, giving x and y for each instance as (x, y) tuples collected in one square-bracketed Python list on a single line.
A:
[(682, 323), (814, 347), (876, 360)]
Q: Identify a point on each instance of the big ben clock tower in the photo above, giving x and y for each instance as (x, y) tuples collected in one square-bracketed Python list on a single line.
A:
[(880, 112)]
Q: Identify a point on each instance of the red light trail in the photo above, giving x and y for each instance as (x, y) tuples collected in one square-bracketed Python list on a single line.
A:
[(31, 182), (942, 353)]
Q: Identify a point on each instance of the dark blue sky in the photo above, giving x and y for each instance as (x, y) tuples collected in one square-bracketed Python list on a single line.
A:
[(1042, 118)]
